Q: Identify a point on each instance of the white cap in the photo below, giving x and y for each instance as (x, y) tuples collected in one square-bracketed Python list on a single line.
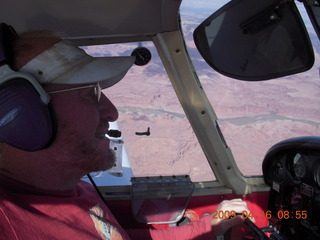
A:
[(65, 63)]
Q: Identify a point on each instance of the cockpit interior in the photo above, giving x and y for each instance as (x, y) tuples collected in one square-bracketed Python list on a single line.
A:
[(222, 103)]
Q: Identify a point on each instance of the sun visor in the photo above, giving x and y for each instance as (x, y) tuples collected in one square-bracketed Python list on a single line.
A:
[(255, 40)]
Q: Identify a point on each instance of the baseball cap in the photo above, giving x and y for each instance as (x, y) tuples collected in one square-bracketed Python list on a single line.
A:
[(65, 63)]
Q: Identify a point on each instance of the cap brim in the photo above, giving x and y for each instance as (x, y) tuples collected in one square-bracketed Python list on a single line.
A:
[(105, 70), (65, 63)]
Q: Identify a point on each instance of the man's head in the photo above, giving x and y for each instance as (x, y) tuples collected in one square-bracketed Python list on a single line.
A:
[(71, 78)]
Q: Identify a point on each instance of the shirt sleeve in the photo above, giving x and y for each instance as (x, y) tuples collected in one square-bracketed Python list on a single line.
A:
[(200, 230)]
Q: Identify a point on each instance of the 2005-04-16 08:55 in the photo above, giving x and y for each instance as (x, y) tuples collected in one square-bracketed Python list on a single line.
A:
[(280, 214)]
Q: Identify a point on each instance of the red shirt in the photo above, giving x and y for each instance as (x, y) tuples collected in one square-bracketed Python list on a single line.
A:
[(30, 213)]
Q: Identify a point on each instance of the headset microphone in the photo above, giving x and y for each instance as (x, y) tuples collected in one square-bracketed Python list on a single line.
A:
[(114, 133)]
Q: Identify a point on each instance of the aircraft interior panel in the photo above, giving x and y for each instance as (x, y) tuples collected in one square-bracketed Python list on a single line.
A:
[(292, 169)]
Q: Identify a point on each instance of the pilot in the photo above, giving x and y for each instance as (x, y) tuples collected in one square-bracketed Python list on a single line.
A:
[(41, 194)]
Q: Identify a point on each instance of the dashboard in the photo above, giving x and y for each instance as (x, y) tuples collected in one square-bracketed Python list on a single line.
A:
[(292, 169)]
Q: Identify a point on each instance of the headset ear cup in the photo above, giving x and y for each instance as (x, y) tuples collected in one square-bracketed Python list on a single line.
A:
[(25, 121)]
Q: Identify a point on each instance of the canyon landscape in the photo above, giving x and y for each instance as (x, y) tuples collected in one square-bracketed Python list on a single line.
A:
[(253, 116)]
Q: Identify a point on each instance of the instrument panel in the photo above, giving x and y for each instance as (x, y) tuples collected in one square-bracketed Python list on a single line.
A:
[(292, 169)]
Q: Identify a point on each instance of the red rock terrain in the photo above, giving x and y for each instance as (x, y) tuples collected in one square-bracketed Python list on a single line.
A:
[(253, 116)]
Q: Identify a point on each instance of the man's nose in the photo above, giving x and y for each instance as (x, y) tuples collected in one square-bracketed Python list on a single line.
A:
[(108, 111)]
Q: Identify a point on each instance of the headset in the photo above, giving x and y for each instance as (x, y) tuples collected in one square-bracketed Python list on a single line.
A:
[(26, 118)]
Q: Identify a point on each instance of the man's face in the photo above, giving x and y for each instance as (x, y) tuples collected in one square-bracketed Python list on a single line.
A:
[(82, 122)]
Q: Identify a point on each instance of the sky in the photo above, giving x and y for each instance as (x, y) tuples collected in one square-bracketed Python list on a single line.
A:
[(202, 4)]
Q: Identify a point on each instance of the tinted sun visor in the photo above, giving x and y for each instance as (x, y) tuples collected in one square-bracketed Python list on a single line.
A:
[(255, 40), (313, 9)]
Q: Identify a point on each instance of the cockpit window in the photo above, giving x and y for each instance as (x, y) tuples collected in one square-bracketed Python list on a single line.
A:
[(157, 135), (253, 116)]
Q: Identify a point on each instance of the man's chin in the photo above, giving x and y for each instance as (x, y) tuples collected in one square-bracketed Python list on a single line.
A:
[(107, 161)]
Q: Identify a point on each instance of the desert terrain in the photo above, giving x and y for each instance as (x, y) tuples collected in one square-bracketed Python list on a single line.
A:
[(253, 116)]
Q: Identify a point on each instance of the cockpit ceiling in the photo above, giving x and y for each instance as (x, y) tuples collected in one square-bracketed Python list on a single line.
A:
[(91, 21)]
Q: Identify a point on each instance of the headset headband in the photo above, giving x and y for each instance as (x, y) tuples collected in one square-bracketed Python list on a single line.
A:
[(7, 36)]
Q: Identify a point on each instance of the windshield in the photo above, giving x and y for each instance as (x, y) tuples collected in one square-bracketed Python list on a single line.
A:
[(253, 116), (157, 136)]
